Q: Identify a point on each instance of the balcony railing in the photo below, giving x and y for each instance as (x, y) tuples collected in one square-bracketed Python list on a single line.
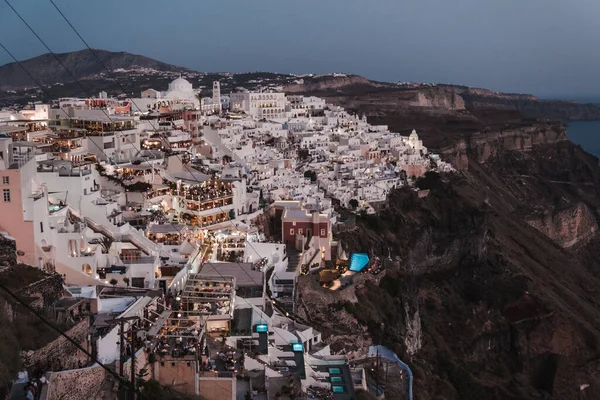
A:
[(82, 172), (138, 260)]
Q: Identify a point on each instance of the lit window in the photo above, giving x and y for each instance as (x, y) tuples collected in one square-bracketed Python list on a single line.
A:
[(291, 231), (6, 195), (5, 180), (293, 223), (322, 232), (300, 231)]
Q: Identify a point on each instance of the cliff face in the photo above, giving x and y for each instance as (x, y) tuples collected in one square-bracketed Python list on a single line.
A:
[(491, 280), (482, 146), (331, 83), (360, 94), (532, 107), (574, 226)]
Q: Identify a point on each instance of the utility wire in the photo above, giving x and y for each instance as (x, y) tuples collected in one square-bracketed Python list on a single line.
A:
[(121, 379), (133, 145), (133, 102), (63, 334)]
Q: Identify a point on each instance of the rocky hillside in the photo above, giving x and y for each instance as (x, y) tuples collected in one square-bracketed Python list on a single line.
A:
[(136, 73), (82, 64), (367, 96), (527, 105), (491, 286), (330, 83)]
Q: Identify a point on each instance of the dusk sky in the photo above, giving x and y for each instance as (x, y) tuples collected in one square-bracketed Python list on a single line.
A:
[(544, 47)]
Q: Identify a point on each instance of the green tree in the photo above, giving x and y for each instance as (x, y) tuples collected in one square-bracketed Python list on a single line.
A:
[(311, 174), (232, 256), (126, 281), (303, 154), (113, 282), (431, 180), (106, 242), (199, 96), (353, 203)]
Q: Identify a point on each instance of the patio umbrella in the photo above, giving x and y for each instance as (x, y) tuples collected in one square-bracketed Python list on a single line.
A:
[(343, 256)]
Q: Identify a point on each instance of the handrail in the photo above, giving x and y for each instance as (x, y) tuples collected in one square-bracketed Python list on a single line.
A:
[(390, 355)]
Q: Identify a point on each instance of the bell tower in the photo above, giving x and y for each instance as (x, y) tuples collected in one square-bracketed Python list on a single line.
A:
[(216, 96)]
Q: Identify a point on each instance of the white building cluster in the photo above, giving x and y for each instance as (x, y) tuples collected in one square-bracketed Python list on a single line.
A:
[(167, 191)]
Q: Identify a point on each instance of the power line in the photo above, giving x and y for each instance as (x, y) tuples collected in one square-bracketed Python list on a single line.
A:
[(133, 102), (47, 322), (133, 145), (63, 334)]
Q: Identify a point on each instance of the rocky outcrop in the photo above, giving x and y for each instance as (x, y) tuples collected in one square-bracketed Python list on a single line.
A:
[(482, 146), (532, 107), (439, 98), (573, 226), (333, 83), (414, 336), (526, 104)]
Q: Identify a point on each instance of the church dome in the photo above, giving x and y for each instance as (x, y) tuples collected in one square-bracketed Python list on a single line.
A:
[(180, 85), (414, 135)]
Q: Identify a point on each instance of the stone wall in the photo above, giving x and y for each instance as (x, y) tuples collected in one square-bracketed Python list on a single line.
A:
[(60, 354), (181, 375), (141, 361), (217, 388), (8, 251), (77, 384), (45, 292)]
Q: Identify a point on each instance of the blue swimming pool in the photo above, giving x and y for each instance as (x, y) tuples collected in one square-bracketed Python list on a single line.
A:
[(358, 261)]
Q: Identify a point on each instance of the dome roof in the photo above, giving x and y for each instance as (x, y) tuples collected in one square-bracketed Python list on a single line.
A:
[(414, 134), (181, 85)]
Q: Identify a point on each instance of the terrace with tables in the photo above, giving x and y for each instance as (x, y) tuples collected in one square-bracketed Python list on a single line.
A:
[(211, 190), (211, 297), (91, 126), (65, 168), (168, 234)]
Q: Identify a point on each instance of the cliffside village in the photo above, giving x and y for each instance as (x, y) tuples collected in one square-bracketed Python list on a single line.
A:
[(177, 225)]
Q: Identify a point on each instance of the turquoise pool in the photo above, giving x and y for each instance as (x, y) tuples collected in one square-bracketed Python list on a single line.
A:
[(358, 261)]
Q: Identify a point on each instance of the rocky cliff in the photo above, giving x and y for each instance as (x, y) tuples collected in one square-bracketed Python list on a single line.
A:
[(480, 146), (527, 105), (367, 96), (573, 226), (491, 280)]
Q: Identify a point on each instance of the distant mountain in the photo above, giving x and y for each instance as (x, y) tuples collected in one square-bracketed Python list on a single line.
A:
[(82, 64)]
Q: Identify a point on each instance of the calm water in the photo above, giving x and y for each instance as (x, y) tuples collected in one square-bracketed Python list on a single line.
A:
[(586, 134)]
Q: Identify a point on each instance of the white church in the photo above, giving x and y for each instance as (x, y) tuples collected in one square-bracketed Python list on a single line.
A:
[(179, 95)]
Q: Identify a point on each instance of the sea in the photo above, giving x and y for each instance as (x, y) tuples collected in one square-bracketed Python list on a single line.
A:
[(585, 133)]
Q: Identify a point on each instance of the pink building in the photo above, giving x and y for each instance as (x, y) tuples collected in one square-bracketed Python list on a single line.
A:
[(23, 203), (299, 227)]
